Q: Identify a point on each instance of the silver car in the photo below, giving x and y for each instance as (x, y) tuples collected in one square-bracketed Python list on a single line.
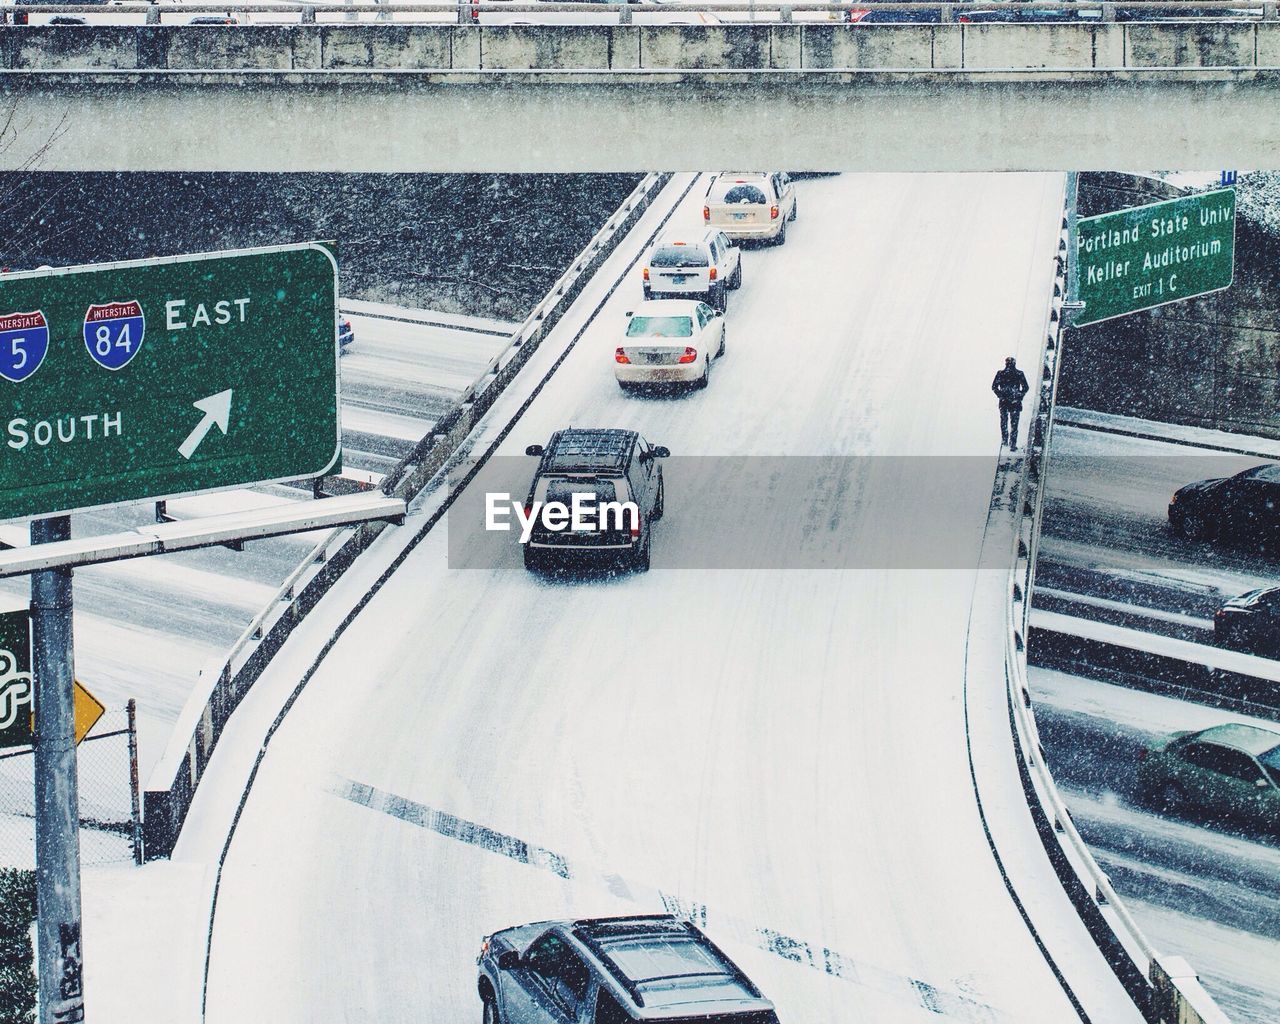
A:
[(615, 970)]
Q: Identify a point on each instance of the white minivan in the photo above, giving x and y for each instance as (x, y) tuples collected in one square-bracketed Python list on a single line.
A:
[(705, 267), (751, 205)]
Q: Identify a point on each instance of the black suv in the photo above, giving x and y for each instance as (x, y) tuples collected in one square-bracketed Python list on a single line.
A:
[(614, 471), (1244, 507), (615, 970)]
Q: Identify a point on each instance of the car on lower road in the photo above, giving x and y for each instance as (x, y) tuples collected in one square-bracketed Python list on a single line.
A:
[(616, 473), (1250, 623), (669, 341), (707, 267), (1225, 772), (616, 970), (1240, 508), (346, 333), (751, 205)]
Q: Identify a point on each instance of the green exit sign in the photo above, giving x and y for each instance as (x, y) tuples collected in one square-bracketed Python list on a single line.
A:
[(155, 378), (1147, 256)]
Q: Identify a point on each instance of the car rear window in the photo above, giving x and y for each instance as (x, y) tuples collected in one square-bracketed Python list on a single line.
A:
[(679, 256), (660, 327), (742, 194), (563, 489)]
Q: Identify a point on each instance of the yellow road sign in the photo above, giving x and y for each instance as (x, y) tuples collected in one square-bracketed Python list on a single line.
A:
[(87, 712)]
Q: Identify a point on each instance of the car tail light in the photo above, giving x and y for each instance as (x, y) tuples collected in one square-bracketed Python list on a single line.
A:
[(620, 356), (713, 274), (646, 273), (706, 213), (773, 213), (690, 354), (635, 524)]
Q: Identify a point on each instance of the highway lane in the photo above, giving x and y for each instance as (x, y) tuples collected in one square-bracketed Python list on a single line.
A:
[(777, 752), (1203, 890), (1106, 535)]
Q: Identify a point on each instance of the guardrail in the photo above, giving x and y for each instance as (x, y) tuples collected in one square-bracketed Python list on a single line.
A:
[(446, 10), (1165, 988), (224, 684)]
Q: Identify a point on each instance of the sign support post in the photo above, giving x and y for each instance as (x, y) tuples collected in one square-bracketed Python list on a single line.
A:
[(60, 966)]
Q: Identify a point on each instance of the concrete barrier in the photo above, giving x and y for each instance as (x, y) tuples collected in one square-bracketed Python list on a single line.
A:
[(224, 683), (980, 47)]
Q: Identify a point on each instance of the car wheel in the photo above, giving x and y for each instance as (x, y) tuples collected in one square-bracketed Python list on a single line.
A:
[(641, 558), (1172, 798), (627, 386), (705, 379), (490, 1011), (781, 237), (532, 558), (1193, 526), (660, 505), (795, 208), (735, 281), (720, 351)]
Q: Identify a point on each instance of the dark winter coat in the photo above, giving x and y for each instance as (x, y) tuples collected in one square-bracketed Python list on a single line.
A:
[(1010, 385)]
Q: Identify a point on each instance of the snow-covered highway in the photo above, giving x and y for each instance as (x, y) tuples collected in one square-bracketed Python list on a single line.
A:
[(782, 754)]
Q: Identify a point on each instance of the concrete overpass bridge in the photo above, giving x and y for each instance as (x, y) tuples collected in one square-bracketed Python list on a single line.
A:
[(396, 96)]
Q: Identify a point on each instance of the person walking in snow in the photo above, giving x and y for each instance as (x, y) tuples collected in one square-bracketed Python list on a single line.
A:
[(1010, 385)]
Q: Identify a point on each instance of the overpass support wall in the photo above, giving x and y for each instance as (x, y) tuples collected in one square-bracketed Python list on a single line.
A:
[(448, 98)]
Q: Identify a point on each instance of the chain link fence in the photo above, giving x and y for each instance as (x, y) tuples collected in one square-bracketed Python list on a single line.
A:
[(110, 827)]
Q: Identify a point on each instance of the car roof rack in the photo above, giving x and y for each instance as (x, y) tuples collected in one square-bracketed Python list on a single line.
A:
[(586, 932), (589, 449)]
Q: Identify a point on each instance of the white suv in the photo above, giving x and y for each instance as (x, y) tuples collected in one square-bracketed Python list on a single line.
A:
[(704, 267), (751, 204)]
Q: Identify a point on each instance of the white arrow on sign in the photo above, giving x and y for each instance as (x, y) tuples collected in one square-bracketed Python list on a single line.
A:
[(216, 409)]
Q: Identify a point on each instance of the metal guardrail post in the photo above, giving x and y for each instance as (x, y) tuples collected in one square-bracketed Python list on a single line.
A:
[(1271, 12), (308, 15), (624, 15), (153, 15), (1108, 12), (134, 806), (784, 15)]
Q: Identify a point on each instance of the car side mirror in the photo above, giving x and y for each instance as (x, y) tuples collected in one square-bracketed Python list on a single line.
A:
[(533, 449), (508, 959), (659, 452)]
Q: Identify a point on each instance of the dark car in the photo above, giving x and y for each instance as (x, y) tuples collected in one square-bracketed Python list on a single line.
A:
[(1229, 771), (24, 18), (1244, 507), (1250, 623), (616, 472), (346, 333), (614, 971)]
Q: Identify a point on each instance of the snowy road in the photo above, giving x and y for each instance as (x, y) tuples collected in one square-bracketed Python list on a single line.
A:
[(1206, 892), (780, 753), (1106, 536)]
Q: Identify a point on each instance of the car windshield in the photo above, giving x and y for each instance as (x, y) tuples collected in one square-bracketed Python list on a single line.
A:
[(1271, 762), (660, 327), (743, 194), (678, 256)]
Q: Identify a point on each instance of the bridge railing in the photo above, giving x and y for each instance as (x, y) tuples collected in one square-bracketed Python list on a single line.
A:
[(225, 681), (1166, 987), (867, 12)]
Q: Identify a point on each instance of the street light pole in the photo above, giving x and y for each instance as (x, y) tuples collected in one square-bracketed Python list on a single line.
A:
[(59, 966)]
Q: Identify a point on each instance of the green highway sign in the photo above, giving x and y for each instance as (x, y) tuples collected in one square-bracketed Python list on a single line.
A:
[(1152, 255), (151, 379)]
